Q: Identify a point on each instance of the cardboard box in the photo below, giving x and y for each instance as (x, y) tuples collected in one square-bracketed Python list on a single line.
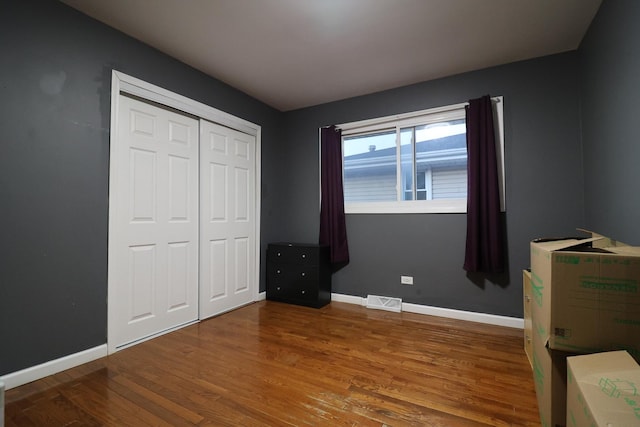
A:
[(603, 390), (550, 378), (586, 294), (528, 325)]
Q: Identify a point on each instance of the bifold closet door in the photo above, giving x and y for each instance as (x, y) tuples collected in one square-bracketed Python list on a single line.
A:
[(227, 219), (156, 211)]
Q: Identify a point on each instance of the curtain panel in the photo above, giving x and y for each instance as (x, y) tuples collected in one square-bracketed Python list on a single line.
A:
[(485, 243), (333, 228)]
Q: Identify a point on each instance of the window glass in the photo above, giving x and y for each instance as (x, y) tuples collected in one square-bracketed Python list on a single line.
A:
[(370, 167), (413, 162), (421, 186), (441, 156), (406, 162)]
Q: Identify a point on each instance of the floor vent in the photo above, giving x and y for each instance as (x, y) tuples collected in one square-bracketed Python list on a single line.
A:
[(384, 303)]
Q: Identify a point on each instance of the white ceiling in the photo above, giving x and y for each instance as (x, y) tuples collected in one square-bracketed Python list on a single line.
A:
[(297, 53)]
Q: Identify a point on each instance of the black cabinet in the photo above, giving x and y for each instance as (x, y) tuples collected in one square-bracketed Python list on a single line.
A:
[(299, 274)]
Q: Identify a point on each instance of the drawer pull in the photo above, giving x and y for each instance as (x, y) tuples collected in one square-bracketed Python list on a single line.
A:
[(304, 255), (304, 292), (278, 253), (278, 288), (304, 274), (278, 271)]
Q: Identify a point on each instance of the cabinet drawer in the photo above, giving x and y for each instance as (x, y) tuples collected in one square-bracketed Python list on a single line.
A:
[(291, 272), (293, 279), (300, 255), (304, 291)]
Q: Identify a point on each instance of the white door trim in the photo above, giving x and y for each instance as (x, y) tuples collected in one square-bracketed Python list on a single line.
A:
[(123, 83)]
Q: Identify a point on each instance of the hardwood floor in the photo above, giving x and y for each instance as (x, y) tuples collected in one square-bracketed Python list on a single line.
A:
[(273, 364)]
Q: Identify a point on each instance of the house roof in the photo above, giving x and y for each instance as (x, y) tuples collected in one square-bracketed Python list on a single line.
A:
[(432, 146)]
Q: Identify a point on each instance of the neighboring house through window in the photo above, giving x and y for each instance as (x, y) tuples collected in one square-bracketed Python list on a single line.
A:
[(414, 162)]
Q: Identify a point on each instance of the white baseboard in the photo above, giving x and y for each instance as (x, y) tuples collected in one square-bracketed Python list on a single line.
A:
[(471, 316), (18, 378), (351, 299), (490, 319), (262, 296)]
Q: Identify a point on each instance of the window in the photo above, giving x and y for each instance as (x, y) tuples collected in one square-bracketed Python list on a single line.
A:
[(414, 162)]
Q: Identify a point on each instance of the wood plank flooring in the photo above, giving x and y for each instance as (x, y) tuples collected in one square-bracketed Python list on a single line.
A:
[(273, 364)]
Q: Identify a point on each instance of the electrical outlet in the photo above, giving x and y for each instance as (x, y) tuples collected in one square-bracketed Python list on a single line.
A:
[(406, 280)]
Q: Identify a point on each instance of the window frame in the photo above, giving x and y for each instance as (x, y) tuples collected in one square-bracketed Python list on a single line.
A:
[(418, 118)]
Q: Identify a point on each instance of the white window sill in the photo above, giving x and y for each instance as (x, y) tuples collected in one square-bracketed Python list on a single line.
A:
[(407, 207)]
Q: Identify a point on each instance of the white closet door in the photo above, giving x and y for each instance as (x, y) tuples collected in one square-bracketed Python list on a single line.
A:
[(227, 222), (156, 225)]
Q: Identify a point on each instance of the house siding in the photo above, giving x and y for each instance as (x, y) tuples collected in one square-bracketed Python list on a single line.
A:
[(449, 183), (376, 188)]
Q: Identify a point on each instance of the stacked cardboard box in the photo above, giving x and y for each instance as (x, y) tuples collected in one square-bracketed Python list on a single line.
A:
[(528, 321), (550, 376), (603, 390), (586, 298)]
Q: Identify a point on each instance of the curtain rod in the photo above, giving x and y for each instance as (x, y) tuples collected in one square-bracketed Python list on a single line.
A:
[(403, 116)]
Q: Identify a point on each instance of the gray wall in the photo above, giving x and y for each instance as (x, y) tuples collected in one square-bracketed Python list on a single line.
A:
[(543, 181), (55, 78), (55, 73), (610, 89)]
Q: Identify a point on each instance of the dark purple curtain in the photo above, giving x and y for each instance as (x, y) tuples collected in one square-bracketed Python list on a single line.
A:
[(484, 251), (333, 228)]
